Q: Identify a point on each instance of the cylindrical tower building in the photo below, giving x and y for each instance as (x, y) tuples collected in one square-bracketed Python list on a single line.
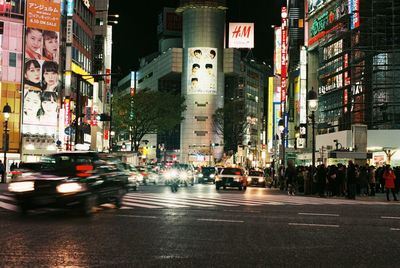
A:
[(202, 77)]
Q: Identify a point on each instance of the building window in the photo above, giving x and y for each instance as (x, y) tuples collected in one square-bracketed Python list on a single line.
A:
[(12, 62)]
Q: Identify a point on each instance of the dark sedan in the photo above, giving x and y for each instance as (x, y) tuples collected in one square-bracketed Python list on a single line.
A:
[(76, 180)]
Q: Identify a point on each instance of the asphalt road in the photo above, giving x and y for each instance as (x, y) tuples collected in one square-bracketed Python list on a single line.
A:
[(199, 227)]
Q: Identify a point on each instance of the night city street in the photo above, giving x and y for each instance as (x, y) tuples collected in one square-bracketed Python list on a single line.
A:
[(199, 227)]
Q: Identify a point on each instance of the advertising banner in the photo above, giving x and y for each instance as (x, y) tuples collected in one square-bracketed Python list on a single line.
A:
[(277, 50), (241, 35), (202, 73), (41, 67)]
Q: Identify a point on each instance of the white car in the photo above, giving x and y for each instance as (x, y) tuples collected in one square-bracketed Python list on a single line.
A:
[(231, 177)]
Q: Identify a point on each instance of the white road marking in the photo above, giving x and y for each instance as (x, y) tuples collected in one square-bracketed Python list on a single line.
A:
[(220, 220), (394, 229), (391, 218), (130, 200), (8, 206), (172, 201), (4, 197), (318, 214), (138, 216), (132, 204), (313, 225)]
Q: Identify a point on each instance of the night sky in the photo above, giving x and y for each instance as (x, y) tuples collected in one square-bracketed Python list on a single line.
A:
[(135, 34)]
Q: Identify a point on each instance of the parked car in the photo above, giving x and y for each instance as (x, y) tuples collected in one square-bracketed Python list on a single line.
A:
[(231, 177), (256, 178), (207, 174), (72, 180)]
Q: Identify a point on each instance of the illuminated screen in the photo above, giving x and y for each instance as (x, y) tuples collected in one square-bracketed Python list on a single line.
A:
[(202, 70)]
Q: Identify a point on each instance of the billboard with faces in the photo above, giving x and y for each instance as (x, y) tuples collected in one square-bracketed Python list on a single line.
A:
[(41, 66), (202, 70)]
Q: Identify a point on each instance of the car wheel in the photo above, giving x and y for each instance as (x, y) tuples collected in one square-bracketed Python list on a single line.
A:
[(87, 205)]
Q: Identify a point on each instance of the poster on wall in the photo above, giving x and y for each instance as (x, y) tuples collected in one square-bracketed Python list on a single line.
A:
[(41, 67), (202, 73)]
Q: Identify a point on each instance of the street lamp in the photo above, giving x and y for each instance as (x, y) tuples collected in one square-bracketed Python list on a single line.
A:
[(6, 114), (312, 107), (281, 129)]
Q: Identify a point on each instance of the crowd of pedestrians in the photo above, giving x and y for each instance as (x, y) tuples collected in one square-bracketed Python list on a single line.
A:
[(339, 180)]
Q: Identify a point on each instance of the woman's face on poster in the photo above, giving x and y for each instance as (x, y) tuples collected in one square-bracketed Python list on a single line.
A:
[(51, 45), (51, 78), (49, 107), (34, 39), (32, 73), (32, 103)]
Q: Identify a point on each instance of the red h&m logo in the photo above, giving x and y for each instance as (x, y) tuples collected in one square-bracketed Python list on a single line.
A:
[(238, 32)]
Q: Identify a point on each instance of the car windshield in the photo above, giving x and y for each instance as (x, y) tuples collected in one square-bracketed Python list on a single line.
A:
[(255, 173), (207, 170), (64, 163), (231, 171)]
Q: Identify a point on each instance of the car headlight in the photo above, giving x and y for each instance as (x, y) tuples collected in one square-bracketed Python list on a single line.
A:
[(212, 176), (71, 187), (201, 175), (21, 186), (236, 179), (183, 175), (260, 179)]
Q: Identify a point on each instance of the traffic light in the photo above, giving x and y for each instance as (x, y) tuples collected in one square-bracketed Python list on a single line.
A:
[(103, 117)]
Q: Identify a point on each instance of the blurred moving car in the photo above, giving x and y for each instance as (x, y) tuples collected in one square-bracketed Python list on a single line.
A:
[(231, 177), (149, 175), (256, 178), (75, 180), (207, 174), (134, 177)]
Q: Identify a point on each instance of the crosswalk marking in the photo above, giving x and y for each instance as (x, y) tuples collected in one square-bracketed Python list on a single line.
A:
[(178, 200)]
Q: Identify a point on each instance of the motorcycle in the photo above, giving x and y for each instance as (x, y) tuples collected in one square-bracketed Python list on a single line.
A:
[(174, 186)]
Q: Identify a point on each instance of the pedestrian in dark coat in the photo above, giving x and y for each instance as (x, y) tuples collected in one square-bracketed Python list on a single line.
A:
[(351, 180)]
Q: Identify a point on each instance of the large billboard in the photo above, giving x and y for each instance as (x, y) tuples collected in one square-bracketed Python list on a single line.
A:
[(41, 67), (241, 35), (277, 50), (202, 70)]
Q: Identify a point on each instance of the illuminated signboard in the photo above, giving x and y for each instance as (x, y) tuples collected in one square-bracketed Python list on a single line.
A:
[(70, 8), (241, 35), (354, 11), (41, 69), (202, 72), (320, 23), (313, 5), (283, 57), (277, 50)]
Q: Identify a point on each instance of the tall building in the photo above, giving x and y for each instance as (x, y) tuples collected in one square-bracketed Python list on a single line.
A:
[(11, 41), (203, 25), (353, 63)]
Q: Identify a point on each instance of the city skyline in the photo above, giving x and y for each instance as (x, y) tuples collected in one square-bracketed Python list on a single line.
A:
[(126, 55)]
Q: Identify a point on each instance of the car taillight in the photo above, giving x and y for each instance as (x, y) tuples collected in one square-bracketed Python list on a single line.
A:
[(237, 173), (83, 170), (15, 173)]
